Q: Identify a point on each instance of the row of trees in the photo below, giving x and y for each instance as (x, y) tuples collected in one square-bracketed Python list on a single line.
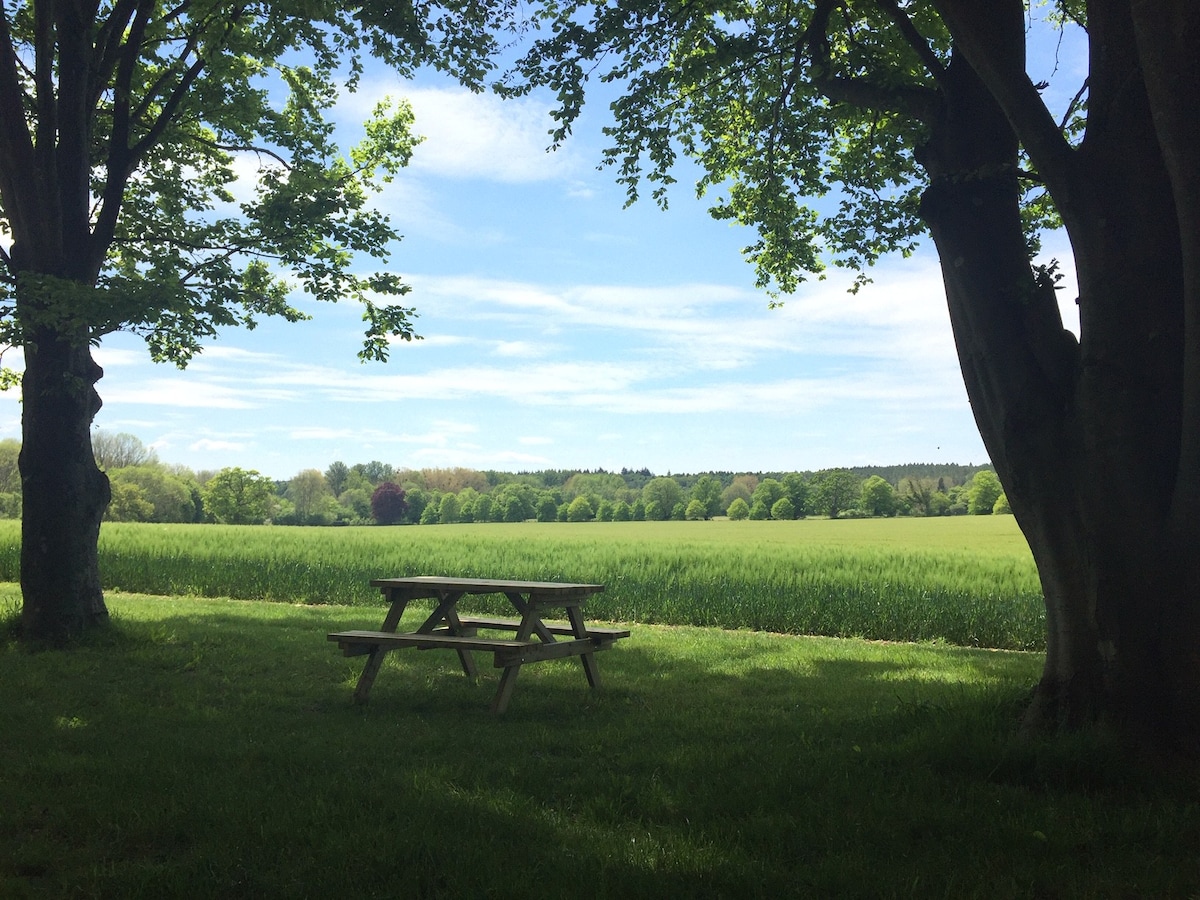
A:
[(834, 493), (145, 489)]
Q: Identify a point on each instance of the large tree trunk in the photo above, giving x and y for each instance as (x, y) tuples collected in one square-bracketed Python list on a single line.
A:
[(55, 259), (64, 492), (1085, 438)]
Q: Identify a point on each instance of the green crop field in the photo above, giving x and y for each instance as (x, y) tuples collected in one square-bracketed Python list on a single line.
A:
[(964, 580)]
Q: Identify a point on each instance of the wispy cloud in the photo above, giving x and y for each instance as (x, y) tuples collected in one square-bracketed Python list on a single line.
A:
[(468, 135), (682, 349), (195, 392), (209, 444), (441, 434), (719, 326)]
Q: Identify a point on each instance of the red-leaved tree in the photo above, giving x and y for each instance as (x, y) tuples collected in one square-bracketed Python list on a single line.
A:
[(388, 505)]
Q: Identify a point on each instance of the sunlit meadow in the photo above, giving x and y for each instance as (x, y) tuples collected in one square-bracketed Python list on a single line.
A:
[(968, 581)]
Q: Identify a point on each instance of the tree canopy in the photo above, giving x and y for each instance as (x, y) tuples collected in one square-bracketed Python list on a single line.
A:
[(170, 169), (145, 111), (237, 496)]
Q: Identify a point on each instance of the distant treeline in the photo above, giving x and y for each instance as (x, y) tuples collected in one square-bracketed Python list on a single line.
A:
[(950, 474), (145, 489)]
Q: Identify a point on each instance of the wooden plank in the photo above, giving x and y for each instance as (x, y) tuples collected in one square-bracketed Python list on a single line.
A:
[(554, 627), (541, 599), (485, 585), (508, 681), (531, 622), (375, 654), (426, 641), (590, 669), (465, 659), (512, 668), (441, 613), (535, 652)]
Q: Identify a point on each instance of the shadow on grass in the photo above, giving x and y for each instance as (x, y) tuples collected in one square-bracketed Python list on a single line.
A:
[(217, 753)]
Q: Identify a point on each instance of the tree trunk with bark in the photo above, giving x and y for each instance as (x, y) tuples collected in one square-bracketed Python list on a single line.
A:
[(1088, 437), (65, 493)]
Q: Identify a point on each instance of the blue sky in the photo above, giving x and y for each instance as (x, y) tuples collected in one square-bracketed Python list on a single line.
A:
[(561, 331)]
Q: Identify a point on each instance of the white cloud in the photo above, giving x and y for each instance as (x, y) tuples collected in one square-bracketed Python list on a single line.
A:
[(195, 393), (442, 433), (110, 357), (549, 382), (411, 206), (468, 135), (686, 348), (437, 340), (319, 433), (247, 169), (209, 444), (481, 136), (717, 327), (788, 395), (521, 349), (580, 190)]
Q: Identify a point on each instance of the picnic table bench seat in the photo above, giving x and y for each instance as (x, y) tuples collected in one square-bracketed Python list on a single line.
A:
[(507, 650), (356, 643)]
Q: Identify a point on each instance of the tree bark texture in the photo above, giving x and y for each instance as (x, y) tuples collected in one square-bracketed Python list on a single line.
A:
[(1094, 441), (64, 492)]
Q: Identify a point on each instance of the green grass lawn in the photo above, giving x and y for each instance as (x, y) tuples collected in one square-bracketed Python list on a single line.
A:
[(210, 748)]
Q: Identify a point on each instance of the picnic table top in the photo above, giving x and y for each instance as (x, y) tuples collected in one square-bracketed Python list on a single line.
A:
[(487, 585)]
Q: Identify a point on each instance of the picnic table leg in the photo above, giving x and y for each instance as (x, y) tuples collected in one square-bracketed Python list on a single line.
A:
[(508, 680), (399, 601), (590, 669), (464, 656), (445, 612)]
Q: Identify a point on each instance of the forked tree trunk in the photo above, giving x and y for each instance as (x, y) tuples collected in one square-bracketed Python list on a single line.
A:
[(1085, 438), (64, 492)]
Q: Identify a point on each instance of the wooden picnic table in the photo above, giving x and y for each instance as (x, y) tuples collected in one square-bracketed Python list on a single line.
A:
[(535, 639)]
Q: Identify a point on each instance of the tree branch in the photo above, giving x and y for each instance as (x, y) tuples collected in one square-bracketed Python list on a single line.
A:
[(16, 146), (122, 114), (120, 162), (75, 116), (246, 148), (913, 38), (992, 38), (153, 92), (43, 78), (44, 167), (919, 102), (171, 105), (1073, 105), (109, 47), (123, 158)]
